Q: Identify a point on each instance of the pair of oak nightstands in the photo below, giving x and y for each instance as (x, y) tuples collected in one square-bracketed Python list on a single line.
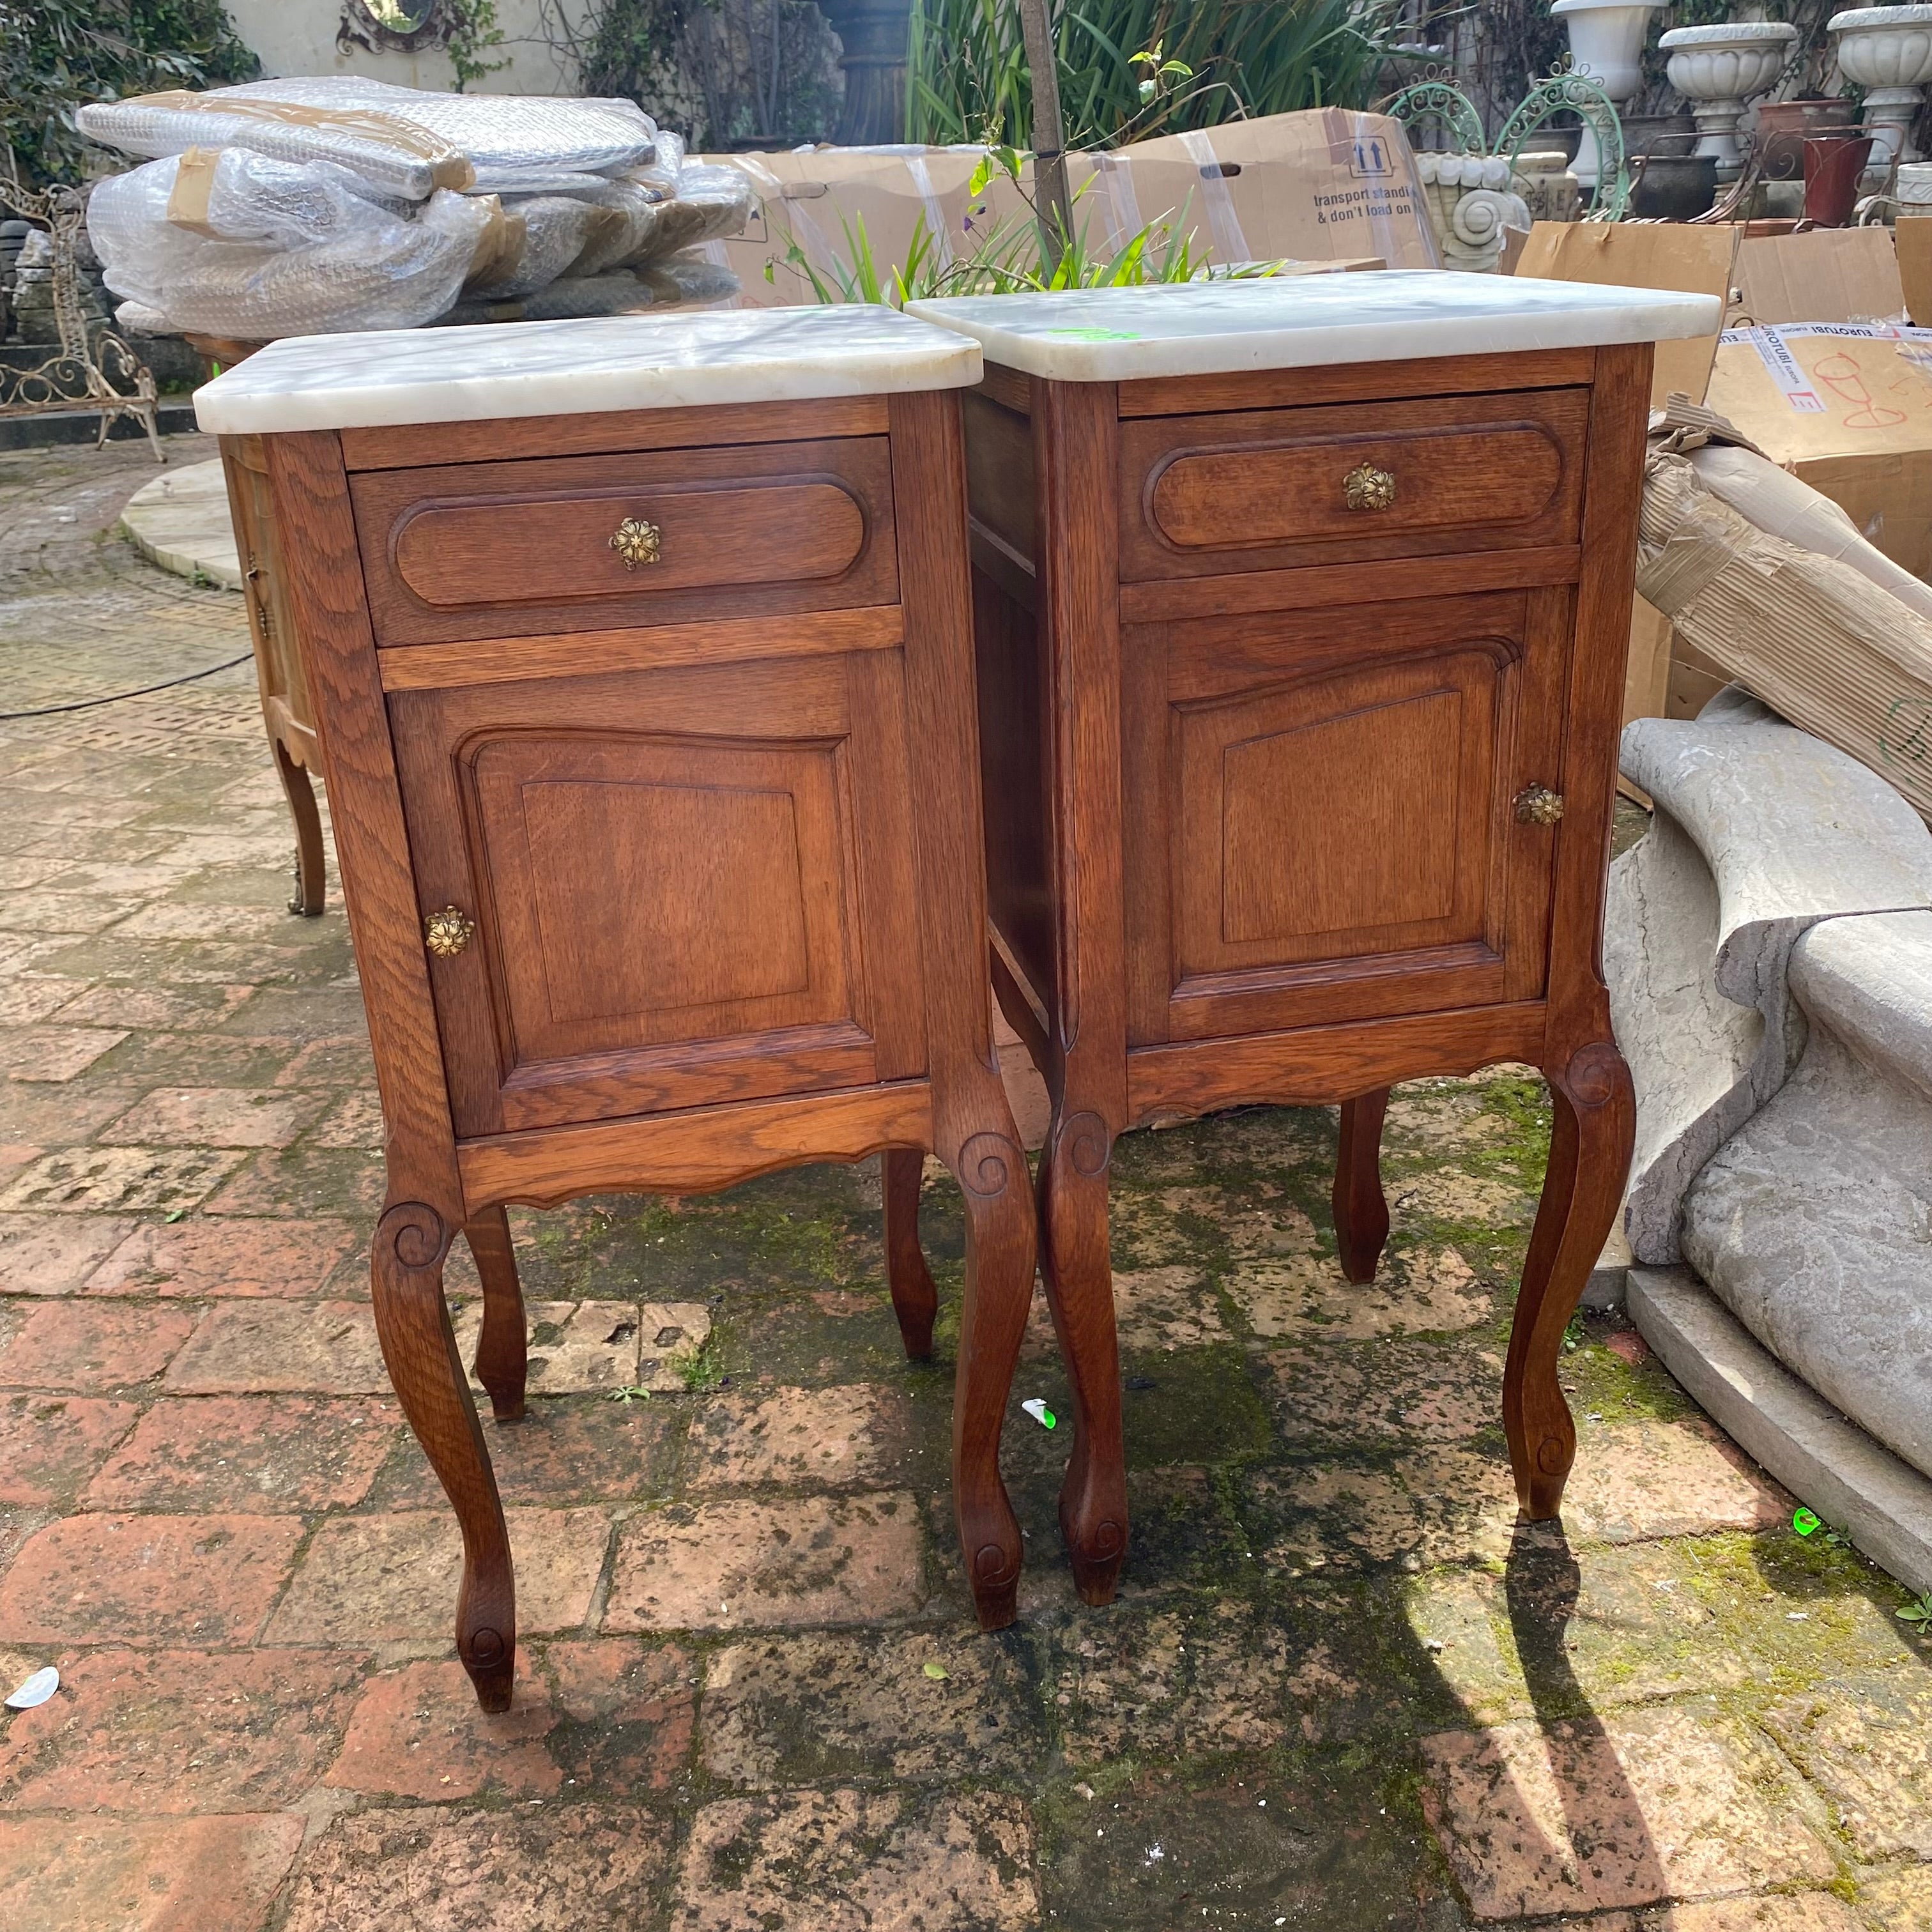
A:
[(710, 705)]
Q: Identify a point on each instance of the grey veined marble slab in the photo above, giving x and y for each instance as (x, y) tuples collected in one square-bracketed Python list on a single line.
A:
[(1302, 321), (391, 377)]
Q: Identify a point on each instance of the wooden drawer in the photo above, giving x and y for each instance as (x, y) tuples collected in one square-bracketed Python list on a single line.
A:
[(1271, 489), (494, 550)]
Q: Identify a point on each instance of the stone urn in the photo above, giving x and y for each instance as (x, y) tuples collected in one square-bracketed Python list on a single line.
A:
[(1718, 69), (1606, 44), (1888, 51), (872, 34)]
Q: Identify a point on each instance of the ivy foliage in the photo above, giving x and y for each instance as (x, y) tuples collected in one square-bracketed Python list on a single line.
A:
[(56, 55)]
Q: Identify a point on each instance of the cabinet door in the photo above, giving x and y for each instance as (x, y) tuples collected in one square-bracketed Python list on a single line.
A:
[(1320, 811), (687, 886)]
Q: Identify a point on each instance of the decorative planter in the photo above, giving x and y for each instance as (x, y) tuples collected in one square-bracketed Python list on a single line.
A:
[(1784, 126), (1606, 43), (1888, 51), (1718, 69), (873, 34)]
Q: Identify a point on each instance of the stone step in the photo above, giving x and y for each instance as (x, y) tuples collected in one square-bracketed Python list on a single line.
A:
[(175, 417)]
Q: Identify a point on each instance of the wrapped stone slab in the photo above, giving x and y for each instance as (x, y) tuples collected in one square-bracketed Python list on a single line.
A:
[(1791, 601), (1761, 832), (241, 244), (402, 140), (1814, 1224)]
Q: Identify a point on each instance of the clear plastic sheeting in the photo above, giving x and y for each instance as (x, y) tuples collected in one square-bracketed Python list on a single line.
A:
[(307, 206), (264, 248), (404, 140)]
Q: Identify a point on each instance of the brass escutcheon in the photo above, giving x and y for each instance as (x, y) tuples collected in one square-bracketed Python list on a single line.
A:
[(637, 542), (1536, 804), (1369, 488), (446, 933)]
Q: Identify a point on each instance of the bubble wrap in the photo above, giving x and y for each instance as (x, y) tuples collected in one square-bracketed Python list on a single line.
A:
[(281, 249), (402, 140)]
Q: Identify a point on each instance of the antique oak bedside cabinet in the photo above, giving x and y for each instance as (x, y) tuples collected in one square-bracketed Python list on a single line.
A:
[(1301, 610), (640, 657)]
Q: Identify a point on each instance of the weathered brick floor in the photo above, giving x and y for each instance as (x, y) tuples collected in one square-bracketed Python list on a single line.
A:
[(1340, 1690)]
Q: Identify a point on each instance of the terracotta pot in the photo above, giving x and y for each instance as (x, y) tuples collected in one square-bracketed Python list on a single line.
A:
[(1783, 126), (1833, 163)]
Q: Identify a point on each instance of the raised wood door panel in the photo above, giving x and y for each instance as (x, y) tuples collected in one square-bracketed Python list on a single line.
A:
[(517, 549), (1321, 824), (688, 885), (1269, 489)]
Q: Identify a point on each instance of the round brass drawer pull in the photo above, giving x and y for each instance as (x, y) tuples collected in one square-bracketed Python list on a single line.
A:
[(637, 542), (446, 933), (1369, 488), (1536, 804)]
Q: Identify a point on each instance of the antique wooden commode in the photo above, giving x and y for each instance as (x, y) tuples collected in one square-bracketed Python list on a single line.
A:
[(639, 654), (1301, 610)]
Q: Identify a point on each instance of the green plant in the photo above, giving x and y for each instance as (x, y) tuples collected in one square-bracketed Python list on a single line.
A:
[(56, 55), (701, 1368), (1210, 60), (1003, 257), (473, 31), (1918, 1613)]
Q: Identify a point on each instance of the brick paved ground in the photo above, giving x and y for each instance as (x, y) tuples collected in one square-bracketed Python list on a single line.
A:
[(1340, 1691)]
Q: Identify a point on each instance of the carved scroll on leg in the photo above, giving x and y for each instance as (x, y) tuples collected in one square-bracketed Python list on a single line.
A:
[(1591, 1134), (1361, 1209), (413, 1321), (915, 1299), (501, 1350), (1000, 1245), (1080, 1291)]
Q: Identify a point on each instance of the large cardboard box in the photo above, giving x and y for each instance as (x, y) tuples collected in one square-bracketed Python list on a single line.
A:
[(1642, 255), (1847, 407), (1825, 274), (1321, 186), (1912, 239)]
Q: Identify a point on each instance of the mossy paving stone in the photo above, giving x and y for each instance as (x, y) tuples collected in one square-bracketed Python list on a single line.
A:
[(1327, 1843)]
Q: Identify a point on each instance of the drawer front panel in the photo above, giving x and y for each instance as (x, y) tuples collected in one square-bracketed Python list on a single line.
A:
[(517, 549), (686, 887), (1276, 489)]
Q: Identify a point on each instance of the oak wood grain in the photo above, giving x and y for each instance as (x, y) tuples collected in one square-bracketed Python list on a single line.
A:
[(1359, 382), (609, 432), (586, 653)]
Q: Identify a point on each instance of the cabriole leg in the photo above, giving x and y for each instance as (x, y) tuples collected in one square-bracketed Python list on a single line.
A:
[(1591, 1138), (413, 1321), (501, 1348), (915, 1299), (299, 789), (1361, 1209), (1080, 1291), (1001, 1251)]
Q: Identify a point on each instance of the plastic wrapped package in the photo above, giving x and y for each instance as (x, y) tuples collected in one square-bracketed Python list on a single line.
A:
[(394, 156), (241, 244), (711, 201), (556, 230), (402, 139), (692, 282)]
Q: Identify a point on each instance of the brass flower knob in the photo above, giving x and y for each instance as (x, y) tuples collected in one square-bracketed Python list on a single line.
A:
[(1536, 805), (446, 933), (1369, 488), (637, 542)]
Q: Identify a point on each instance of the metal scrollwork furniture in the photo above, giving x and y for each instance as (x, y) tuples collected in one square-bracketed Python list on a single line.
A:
[(93, 368)]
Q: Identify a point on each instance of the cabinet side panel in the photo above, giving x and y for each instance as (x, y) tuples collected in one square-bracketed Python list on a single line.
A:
[(322, 575)]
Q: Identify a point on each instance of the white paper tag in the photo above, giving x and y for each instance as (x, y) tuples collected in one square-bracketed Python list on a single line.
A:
[(1786, 371)]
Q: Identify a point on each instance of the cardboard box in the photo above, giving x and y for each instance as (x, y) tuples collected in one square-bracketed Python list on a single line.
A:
[(1846, 407), (1642, 255), (1912, 243), (1825, 274), (1325, 185)]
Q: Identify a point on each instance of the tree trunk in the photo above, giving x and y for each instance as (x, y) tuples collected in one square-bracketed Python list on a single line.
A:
[(1052, 199)]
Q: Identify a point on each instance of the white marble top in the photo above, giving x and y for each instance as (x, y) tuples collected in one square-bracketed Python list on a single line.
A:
[(398, 376), (1302, 321)]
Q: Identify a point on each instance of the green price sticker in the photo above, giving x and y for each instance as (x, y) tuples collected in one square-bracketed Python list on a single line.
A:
[(1804, 1523), (1095, 334)]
